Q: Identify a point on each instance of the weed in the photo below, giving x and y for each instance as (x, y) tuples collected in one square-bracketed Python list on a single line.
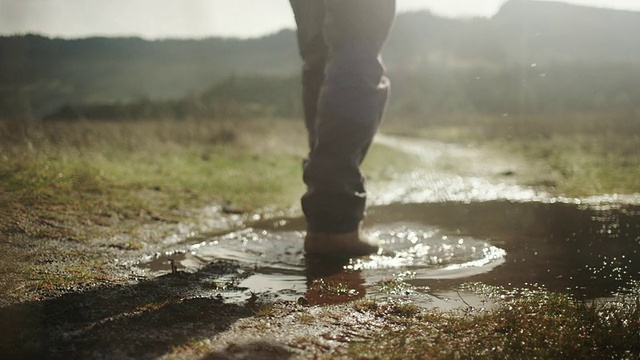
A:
[(384, 309), (366, 305), (306, 319), (191, 346), (531, 324), (395, 286), (263, 309), (261, 325), (332, 288)]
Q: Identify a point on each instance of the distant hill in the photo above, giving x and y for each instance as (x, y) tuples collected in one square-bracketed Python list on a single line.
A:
[(522, 32), (45, 73), (38, 74), (546, 31)]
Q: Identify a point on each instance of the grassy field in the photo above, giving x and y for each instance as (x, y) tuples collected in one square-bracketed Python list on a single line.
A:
[(63, 185), (99, 171), (120, 169), (107, 169)]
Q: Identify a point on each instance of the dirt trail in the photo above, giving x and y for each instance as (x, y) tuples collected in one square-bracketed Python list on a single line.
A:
[(453, 172)]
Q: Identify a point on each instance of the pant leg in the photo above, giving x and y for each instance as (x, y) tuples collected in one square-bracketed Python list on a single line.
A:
[(310, 15), (351, 103)]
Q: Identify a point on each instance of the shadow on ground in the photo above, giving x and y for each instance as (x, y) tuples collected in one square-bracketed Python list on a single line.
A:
[(143, 320), (255, 350)]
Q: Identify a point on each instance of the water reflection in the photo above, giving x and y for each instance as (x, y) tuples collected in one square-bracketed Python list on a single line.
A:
[(586, 251), (329, 281)]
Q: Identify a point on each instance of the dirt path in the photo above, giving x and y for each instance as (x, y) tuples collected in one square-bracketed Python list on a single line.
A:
[(451, 172)]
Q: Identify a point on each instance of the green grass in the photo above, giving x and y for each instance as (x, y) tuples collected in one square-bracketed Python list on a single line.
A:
[(104, 169), (384, 163), (528, 325)]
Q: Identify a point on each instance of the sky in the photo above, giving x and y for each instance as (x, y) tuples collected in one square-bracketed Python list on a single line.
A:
[(157, 19)]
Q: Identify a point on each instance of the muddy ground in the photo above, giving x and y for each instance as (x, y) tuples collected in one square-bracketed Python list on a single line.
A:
[(115, 309)]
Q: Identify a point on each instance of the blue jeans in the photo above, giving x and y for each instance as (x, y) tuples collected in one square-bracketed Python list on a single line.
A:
[(344, 96)]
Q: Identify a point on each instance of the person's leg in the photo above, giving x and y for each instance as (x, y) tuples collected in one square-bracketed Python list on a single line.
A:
[(310, 15), (350, 106)]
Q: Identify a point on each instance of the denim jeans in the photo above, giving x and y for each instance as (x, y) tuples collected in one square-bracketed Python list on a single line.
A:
[(344, 96)]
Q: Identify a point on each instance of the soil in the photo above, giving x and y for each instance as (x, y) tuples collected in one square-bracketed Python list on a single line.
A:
[(112, 308)]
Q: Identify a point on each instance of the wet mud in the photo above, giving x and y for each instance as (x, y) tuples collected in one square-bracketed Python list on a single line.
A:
[(430, 250), (458, 218)]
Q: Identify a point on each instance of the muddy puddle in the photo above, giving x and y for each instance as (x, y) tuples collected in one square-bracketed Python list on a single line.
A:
[(430, 251)]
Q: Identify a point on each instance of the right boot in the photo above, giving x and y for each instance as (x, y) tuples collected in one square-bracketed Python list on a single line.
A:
[(350, 244)]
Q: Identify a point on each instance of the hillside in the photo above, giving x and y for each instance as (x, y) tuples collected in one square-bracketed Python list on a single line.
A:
[(548, 31), (37, 74), (522, 32), (40, 74)]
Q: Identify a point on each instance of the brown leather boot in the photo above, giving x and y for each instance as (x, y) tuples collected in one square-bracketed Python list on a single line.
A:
[(354, 243)]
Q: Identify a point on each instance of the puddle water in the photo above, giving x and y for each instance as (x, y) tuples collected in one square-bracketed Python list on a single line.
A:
[(587, 251)]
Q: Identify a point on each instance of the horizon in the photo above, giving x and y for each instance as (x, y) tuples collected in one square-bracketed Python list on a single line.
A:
[(202, 19)]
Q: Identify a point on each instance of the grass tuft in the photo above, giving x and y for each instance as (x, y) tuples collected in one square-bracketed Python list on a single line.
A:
[(529, 325)]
